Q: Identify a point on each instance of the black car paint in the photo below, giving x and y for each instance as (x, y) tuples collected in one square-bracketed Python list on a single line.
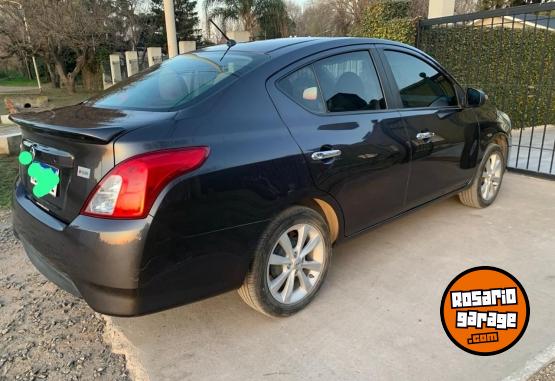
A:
[(203, 229), (88, 144)]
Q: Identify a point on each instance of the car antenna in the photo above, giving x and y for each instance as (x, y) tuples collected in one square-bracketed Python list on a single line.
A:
[(229, 42)]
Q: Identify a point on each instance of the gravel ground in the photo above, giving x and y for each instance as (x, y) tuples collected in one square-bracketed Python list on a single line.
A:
[(46, 333), (546, 374)]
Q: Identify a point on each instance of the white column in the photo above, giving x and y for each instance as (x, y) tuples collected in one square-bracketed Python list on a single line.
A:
[(115, 68), (154, 55), (441, 8), (187, 46), (132, 62), (170, 28)]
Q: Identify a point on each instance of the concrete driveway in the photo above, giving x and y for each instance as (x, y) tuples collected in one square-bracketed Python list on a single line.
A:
[(377, 316)]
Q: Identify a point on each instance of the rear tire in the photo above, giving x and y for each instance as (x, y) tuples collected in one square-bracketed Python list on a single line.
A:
[(286, 274), (487, 181)]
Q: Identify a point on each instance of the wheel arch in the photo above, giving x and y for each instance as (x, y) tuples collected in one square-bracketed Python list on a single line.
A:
[(329, 211), (503, 141)]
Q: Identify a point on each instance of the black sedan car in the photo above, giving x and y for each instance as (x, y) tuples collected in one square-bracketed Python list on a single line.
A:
[(239, 168)]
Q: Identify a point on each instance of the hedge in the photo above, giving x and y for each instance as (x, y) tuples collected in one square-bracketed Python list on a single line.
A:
[(389, 20), (516, 68)]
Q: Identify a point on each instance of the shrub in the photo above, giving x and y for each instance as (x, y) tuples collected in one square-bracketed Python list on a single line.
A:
[(389, 20), (514, 67), (11, 75)]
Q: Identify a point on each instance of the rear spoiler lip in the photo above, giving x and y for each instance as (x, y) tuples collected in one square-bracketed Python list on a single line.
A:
[(101, 135)]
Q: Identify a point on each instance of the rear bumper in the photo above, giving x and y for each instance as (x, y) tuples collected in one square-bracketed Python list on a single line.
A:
[(96, 259), (132, 267)]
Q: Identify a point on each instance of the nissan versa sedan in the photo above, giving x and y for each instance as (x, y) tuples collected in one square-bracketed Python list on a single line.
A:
[(240, 167)]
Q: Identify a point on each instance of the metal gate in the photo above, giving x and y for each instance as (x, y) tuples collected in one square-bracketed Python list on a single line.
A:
[(510, 54)]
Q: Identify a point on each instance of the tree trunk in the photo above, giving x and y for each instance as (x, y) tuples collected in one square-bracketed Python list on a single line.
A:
[(70, 84), (87, 76), (26, 62), (92, 77), (58, 65), (54, 77), (68, 79)]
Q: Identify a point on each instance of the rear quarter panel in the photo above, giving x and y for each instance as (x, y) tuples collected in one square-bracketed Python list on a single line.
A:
[(206, 223)]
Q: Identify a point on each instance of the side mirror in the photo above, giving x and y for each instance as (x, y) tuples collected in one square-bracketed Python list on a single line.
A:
[(475, 98)]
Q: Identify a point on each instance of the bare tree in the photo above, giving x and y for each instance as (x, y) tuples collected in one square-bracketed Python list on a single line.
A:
[(132, 23), (62, 28), (346, 13), (13, 40), (295, 13), (495, 4), (419, 8), (466, 6), (316, 20)]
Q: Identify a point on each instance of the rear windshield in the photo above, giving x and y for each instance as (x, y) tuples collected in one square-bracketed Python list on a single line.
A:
[(178, 81)]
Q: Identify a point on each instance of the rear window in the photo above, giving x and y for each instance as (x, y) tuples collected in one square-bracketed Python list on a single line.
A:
[(178, 81), (302, 87)]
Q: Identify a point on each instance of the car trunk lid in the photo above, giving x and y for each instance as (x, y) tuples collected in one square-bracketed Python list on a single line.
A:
[(77, 143)]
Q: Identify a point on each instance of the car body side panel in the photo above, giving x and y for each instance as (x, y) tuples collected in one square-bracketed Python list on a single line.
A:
[(102, 260), (445, 163), (492, 123), (203, 229), (207, 223), (369, 179), (447, 160)]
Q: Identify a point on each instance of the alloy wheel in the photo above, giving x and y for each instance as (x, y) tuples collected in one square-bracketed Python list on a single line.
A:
[(296, 263), (491, 177)]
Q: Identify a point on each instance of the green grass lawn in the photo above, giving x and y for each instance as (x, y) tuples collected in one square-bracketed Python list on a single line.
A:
[(8, 172), (9, 164), (16, 82), (56, 97)]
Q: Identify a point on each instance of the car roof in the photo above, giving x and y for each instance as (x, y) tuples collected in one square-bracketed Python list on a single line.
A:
[(278, 46)]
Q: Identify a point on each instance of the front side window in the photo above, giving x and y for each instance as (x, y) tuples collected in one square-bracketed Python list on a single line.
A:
[(419, 83), (349, 82), (178, 81)]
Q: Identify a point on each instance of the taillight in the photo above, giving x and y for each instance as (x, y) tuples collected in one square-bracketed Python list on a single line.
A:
[(131, 187)]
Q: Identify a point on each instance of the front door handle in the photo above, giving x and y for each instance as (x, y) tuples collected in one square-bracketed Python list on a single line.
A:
[(323, 155), (425, 135)]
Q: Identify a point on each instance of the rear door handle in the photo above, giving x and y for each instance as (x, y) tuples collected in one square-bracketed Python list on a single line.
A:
[(425, 135), (323, 155)]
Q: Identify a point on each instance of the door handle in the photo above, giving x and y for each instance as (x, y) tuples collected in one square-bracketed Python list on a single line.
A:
[(323, 155), (425, 135)]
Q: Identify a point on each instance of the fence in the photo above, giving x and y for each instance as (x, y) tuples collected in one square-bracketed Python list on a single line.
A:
[(510, 54)]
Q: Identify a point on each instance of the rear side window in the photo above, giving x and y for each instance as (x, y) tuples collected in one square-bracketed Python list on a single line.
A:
[(178, 81), (301, 86), (349, 82), (419, 83)]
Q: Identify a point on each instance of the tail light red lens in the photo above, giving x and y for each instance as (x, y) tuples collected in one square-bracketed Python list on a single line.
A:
[(131, 187)]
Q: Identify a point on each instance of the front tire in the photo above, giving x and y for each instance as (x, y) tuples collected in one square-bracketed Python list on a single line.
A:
[(487, 181), (290, 263)]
